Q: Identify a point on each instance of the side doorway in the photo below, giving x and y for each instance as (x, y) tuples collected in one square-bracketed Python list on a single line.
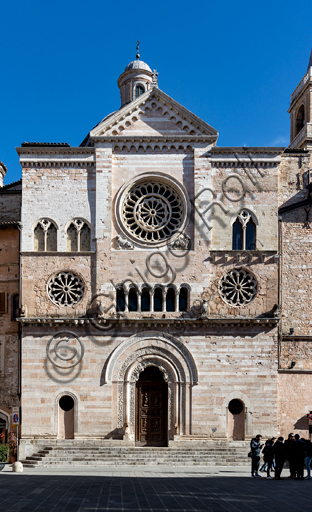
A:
[(236, 420), (66, 418)]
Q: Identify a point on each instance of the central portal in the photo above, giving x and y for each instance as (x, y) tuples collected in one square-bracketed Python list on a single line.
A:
[(151, 408)]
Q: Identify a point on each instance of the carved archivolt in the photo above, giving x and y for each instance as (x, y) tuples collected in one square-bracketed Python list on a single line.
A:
[(126, 408), (151, 340)]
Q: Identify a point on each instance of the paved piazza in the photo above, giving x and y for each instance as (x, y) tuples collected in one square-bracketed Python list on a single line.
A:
[(149, 489)]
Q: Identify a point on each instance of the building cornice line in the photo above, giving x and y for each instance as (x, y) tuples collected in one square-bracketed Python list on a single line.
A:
[(243, 150), (54, 150), (178, 323), (153, 138)]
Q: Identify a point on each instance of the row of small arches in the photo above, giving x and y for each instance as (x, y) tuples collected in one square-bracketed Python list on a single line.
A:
[(149, 148), (78, 236), (157, 299)]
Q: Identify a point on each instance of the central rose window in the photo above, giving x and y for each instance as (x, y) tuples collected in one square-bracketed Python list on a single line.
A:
[(152, 211)]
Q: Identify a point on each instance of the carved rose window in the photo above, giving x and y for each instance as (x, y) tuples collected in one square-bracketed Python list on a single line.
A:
[(238, 287), (152, 211), (65, 289)]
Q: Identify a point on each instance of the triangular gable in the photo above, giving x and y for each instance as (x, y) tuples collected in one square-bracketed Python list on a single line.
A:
[(153, 113)]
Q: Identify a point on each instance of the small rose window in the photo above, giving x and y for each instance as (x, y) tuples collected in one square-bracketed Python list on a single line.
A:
[(238, 287), (65, 289)]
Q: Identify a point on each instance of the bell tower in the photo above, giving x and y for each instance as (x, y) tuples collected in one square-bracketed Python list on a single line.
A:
[(301, 112)]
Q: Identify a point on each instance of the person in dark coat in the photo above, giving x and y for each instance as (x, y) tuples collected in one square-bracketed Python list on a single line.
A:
[(268, 455), (298, 453), (279, 455), (309, 457), (288, 455), (255, 447)]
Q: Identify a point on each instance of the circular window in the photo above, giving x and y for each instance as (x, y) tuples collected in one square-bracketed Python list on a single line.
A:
[(238, 287), (153, 209), (66, 403), (65, 289), (236, 406)]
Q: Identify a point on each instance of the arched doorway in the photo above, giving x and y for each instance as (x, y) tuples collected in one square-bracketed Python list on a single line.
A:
[(151, 408), (66, 418), (4, 423), (236, 420)]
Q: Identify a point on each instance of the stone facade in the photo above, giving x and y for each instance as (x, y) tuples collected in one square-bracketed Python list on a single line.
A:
[(189, 264), (10, 203)]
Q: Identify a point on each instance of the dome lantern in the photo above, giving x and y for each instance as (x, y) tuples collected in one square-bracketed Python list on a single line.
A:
[(136, 79)]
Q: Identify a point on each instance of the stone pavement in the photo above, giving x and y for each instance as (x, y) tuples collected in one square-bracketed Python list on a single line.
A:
[(149, 488)]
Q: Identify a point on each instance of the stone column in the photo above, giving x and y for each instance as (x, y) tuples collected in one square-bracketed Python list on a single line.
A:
[(164, 293)]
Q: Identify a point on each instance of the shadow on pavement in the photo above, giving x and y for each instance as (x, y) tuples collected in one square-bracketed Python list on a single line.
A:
[(47, 493)]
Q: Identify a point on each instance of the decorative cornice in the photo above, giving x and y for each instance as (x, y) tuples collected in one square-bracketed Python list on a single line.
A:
[(246, 150), (54, 150), (223, 256), (58, 165), (298, 337), (243, 164), (245, 157), (292, 370), (153, 322), (58, 253), (153, 138), (56, 156)]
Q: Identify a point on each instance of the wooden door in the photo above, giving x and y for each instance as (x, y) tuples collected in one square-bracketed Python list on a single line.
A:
[(151, 405)]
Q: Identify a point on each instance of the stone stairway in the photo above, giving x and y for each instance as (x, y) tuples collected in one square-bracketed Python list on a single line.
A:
[(67, 455)]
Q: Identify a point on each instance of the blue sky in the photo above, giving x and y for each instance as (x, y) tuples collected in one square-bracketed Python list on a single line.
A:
[(234, 64)]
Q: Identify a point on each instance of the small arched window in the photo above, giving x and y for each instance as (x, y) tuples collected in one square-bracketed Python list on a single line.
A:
[(133, 299), (183, 299), (170, 299), (78, 236), (300, 119), (139, 90), (158, 299), (45, 236), (244, 232), (145, 300), (120, 299)]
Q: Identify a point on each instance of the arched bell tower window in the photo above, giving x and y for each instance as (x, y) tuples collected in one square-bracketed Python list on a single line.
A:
[(78, 236), (45, 236), (300, 119), (244, 232), (139, 90)]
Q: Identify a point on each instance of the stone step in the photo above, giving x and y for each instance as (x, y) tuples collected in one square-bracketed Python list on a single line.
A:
[(68, 455), (138, 463), (146, 450)]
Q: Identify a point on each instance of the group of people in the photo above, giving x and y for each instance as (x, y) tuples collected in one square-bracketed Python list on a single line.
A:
[(276, 451)]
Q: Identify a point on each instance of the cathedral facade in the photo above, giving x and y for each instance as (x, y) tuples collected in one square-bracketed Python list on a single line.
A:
[(164, 280)]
